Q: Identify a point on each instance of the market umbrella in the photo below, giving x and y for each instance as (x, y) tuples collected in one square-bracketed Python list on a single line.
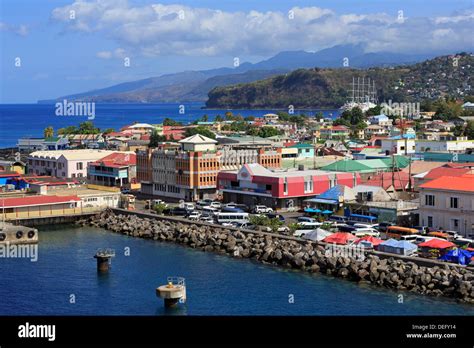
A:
[(327, 212), (371, 239), (339, 238), (437, 244)]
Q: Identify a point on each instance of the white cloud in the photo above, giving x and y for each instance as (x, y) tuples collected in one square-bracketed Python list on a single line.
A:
[(117, 53), (159, 29), (21, 30)]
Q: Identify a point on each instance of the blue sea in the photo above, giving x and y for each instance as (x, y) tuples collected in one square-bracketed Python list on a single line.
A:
[(29, 120), (216, 284)]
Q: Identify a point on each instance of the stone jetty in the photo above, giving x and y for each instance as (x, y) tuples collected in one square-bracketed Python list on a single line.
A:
[(393, 273)]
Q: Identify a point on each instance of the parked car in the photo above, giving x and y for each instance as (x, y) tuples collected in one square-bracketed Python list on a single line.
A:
[(338, 218), (262, 209), (273, 216), (280, 229), (305, 219), (203, 203), (194, 215), (453, 234), (244, 225), (206, 218), (216, 205), (210, 210), (384, 225), (189, 206), (361, 232), (178, 212), (347, 228)]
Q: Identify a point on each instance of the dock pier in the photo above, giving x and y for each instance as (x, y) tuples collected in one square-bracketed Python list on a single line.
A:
[(172, 293), (104, 257)]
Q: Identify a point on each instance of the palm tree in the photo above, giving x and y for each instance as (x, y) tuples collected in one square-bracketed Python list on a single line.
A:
[(48, 132)]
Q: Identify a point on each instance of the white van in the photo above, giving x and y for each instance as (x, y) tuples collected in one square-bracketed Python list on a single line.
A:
[(361, 232), (309, 225), (209, 210), (231, 217)]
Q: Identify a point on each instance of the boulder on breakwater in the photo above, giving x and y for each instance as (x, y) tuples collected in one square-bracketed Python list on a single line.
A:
[(393, 273)]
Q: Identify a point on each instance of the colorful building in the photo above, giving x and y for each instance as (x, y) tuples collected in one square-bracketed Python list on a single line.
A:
[(117, 169), (285, 189)]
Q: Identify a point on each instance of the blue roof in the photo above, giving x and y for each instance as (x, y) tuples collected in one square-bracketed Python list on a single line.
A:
[(368, 217), (333, 193), (405, 136)]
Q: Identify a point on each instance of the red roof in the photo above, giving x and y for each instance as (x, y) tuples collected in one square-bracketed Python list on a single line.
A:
[(117, 160), (445, 171), (373, 240), (339, 238), (459, 165), (461, 183), (36, 200), (341, 128), (384, 180), (6, 174), (437, 244)]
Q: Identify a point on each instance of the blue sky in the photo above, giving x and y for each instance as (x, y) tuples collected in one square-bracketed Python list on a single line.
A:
[(60, 55)]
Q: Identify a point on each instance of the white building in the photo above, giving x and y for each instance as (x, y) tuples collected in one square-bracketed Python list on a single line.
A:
[(64, 163), (448, 203), (461, 144), (397, 146)]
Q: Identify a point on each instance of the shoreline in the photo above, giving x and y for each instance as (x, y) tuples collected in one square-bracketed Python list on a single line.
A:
[(450, 281)]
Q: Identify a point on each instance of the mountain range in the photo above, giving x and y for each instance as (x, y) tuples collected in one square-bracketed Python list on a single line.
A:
[(194, 86)]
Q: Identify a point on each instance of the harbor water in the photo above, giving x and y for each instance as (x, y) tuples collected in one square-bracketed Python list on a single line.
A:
[(64, 281)]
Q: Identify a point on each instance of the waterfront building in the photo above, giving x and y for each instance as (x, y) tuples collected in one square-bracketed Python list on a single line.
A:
[(13, 166), (397, 145), (188, 170), (117, 169), (85, 140), (334, 132), (458, 144), (64, 163), (281, 189), (374, 130), (448, 203), (380, 120), (304, 150), (30, 144), (55, 143)]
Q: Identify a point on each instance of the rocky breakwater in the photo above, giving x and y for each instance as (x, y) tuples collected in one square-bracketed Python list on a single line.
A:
[(393, 273)]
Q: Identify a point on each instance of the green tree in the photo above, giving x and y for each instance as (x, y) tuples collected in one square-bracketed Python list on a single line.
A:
[(48, 132), (109, 130), (229, 116), (266, 132), (67, 130), (204, 118), (218, 118), (469, 131), (170, 122), (200, 130), (156, 138), (88, 127)]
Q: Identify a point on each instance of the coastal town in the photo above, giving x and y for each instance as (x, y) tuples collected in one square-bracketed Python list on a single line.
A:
[(399, 184)]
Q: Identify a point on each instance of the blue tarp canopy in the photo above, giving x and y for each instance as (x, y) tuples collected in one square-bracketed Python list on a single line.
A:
[(460, 256), (327, 212), (321, 200), (368, 217), (401, 247), (311, 210)]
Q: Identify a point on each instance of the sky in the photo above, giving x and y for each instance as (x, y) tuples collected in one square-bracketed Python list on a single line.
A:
[(52, 48)]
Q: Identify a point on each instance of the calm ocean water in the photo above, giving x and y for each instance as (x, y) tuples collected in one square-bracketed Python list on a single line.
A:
[(216, 284), (21, 120)]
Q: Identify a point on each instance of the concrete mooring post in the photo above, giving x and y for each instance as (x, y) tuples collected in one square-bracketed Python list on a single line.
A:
[(174, 292), (103, 257)]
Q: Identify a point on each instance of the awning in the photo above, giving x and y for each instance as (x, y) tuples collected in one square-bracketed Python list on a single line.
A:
[(322, 200), (311, 210), (327, 211)]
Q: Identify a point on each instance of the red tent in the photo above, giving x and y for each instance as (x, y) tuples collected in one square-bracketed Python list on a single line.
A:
[(437, 244), (373, 240), (339, 238)]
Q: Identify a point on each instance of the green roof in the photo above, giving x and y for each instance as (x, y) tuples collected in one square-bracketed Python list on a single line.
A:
[(302, 146), (54, 139), (347, 166), (366, 166)]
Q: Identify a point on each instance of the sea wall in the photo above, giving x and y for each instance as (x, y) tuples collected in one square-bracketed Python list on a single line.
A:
[(394, 273)]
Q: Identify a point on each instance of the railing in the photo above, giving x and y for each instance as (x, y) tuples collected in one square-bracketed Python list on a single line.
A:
[(180, 281)]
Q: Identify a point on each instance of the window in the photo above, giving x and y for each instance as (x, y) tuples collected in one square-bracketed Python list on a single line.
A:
[(308, 184), (285, 186), (454, 202), (430, 221), (430, 200), (455, 224), (79, 166)]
